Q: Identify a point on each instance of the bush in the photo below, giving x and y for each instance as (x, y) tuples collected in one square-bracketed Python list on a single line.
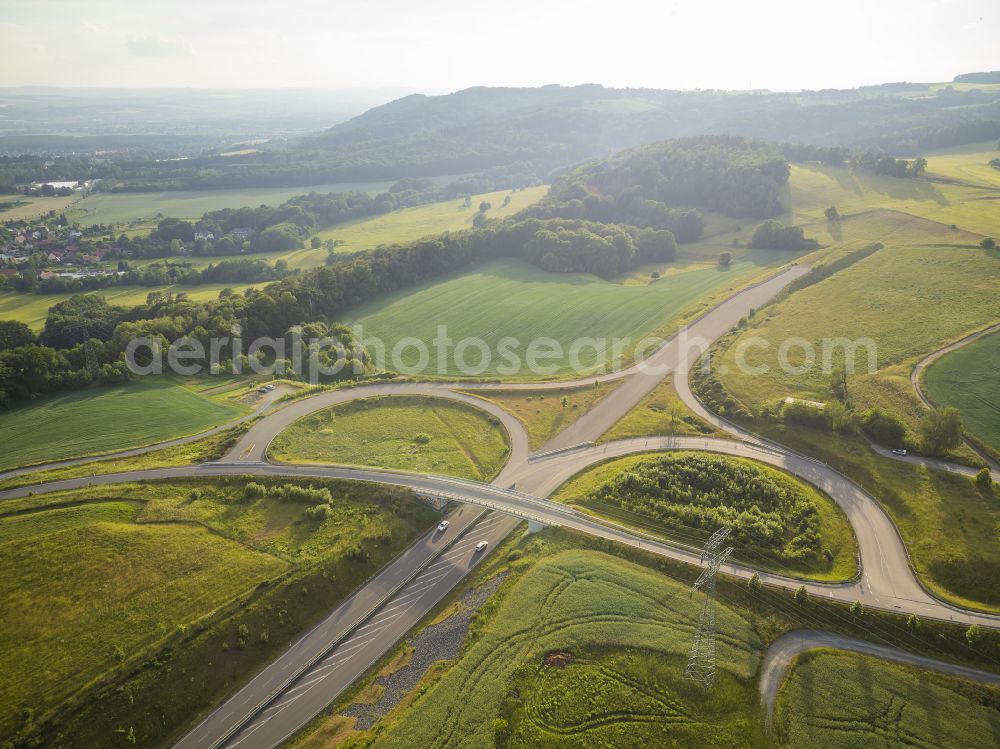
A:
[(988, 243), (883, 427), (984, 480), (422, 439), (941, 430), (253, 490), (765, 510), (725, 259), (319, 513), (774, 235)]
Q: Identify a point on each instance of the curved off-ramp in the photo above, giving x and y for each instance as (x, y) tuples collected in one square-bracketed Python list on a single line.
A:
[(782, 653)]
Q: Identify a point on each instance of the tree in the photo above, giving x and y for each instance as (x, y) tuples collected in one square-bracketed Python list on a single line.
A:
[(485, 206), (838, 382), (801, 595), (315, 242), (832, 214), (984, 480), (14, 333), (725, 259), (883, 427), (918, 167), (973, 635), (913, 622), (754, 583), (941, 430), (988, 243), (857, 610)]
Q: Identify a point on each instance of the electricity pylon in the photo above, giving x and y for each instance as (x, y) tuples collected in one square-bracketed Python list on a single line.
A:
[(701, 662), (93, 368)]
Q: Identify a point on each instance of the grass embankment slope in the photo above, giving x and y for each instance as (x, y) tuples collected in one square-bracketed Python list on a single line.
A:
[(511, 298), (687, 522), (969, 379), (929, 285), (627, 631), (839, 700), (144, 603), (412, 433), (98, 420), (661, 413), (545, 413)]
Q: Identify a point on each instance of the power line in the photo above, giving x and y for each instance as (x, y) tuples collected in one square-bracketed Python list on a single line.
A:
[(701, 662)]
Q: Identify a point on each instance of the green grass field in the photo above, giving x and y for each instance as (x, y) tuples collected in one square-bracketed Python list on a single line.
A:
[(953, 290), (511, 298), (834, 531), (543, 412), (840, 700), (969, 379), (99, 420), (25, 207), (427, 435), (661, 413), (31, 309), (626, 625), (123, 208), (155, 589), (91, 583)]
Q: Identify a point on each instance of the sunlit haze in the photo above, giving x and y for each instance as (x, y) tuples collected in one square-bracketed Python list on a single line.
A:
[(439, 45)]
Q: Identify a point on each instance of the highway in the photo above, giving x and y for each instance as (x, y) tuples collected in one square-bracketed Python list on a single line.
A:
[(318, 667)]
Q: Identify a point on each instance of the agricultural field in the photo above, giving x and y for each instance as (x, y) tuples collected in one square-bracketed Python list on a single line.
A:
[(956, 290), (98, 420), (427, 435), (960, 188), (839, 700), (661, 413), (511, 298), (20, 207), (111, 579), (969, 379), (545, 413), (31, 309), (124, 208), (782, 509), (615, 627)]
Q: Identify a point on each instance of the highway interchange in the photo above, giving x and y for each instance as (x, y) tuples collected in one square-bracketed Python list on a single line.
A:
[(326, 660)]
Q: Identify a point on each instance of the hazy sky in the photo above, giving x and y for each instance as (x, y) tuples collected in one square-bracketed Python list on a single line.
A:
[(446, 45)]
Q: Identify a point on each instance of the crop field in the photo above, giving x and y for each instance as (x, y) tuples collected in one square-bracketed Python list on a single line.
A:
[(969, 379), (661, 413), (428, 435), (25, 207), (545, 413), (839, 700), (31, 309), (511, 298), (115, 577), (833, 532), (124, 208), (955, 289), (99, 420), (616, 627), (960, 189)]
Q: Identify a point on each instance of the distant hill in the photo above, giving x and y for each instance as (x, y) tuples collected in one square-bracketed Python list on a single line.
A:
[(991, 76), (525, 134)]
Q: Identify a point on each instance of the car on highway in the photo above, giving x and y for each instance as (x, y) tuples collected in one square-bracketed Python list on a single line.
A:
[(899, 451), (481, 546), (443, 526)]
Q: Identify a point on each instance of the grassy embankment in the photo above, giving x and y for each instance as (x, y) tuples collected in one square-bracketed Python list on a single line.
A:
[(412, 433), (135, 607)]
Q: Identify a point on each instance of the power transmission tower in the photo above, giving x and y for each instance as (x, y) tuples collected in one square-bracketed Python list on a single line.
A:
[(701, 662), (90, 356)]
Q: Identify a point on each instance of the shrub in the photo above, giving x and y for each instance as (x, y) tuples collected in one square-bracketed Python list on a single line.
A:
[(973, 634), (883, 427), (984, 480), (318, 513), (253, 490), (422, 439), (988, 243), (801, 595)]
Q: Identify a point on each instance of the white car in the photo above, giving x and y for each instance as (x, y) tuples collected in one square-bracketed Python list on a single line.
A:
[(443, 526), (899, 451), (481, 546)]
